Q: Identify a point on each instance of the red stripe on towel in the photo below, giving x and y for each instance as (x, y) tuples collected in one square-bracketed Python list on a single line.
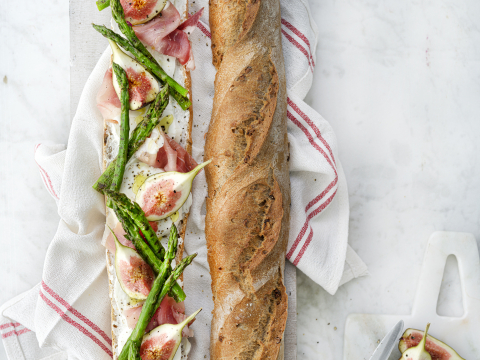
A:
[(311, 215), (204, 30), (75, 324), (4, 326), (300, 35), (299, 47), (312, 125), (76, 312), (48, 182), (14, 332), (319, 197)]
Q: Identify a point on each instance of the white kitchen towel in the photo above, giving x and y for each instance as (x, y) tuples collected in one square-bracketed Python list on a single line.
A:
[(67, 315)]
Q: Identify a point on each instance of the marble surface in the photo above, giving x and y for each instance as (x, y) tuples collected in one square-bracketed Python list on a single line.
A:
[(398, 80), (34, 107)]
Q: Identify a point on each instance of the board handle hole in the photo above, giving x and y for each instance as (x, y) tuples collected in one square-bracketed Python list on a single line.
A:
[(450, 298)]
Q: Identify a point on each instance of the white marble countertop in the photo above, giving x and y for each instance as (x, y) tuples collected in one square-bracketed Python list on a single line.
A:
[(398, 80)]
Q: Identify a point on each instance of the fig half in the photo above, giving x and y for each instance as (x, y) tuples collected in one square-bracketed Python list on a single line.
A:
[(417, 352), (163, 341), (161, 195), (142, 86), (134, 275), (436, 348), (141, 11)]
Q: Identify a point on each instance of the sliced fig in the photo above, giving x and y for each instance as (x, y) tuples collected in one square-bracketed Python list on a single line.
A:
[(141, 11), (437, 349), (162, 342), (161, 195), (143, 87), (134, 275), (136, 172), (418, 352)]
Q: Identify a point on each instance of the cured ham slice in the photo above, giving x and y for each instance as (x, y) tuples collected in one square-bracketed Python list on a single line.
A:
[(173, 157), (175, 44), (169, 312), (120, 234), (167, 36), (107, 100), (187, 27), (147, 158), (162, 25), (190, 65)]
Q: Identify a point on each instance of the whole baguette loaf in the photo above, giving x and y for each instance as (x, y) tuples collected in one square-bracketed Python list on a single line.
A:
[(248, 204)]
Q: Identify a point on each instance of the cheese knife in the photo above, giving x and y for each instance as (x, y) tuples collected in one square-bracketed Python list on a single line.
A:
[(384, 349)]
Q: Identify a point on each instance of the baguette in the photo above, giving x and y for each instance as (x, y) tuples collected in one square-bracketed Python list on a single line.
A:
[(248, 204)]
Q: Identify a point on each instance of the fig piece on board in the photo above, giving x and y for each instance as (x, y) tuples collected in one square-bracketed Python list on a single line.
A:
[(436, 348), (418, 352)]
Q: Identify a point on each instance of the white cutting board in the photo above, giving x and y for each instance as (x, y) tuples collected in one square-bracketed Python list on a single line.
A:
[(362, 331)]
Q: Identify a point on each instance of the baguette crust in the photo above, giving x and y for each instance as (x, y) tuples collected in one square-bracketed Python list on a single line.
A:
[(248, 204)]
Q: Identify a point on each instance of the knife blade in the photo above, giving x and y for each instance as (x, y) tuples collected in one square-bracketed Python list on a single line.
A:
[(384, 349)]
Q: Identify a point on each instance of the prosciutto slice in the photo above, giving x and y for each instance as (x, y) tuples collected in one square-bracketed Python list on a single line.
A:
[(175, 44), (167, 36), (173, 157), (147, 158), (162, 25), (169, 312), (120, 234), (107, 100)]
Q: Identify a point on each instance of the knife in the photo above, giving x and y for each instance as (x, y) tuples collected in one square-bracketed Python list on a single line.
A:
[(383, 351)]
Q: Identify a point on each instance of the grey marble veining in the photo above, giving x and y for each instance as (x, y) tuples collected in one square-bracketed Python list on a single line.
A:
[(398, 80)]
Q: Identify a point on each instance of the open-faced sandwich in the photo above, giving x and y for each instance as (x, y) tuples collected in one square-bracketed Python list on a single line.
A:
[(148, 174)]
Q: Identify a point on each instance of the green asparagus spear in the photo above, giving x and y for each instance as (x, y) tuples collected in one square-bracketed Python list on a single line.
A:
[(172, 279), (150, 258), (183, 101), (139, 134), (137, 215), (122, 79), (145, 251), (159, 289), (145, 128), (180, 94), (119, 16), (133, 234), (103, 4)]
